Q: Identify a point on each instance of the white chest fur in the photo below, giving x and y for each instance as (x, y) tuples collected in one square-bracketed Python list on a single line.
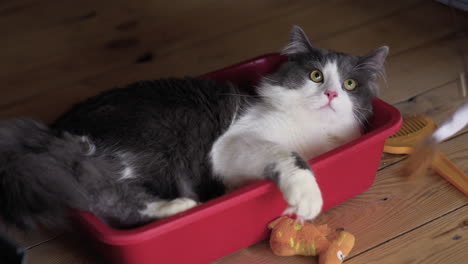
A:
[(264, 137), (297, 129)]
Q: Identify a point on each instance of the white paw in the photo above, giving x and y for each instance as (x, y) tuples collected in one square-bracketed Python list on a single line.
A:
[(303, 195), (162, 209)]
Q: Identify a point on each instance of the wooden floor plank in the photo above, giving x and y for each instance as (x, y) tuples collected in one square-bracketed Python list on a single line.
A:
[(438, 103), (94, 27), (85, 61), (415, 71), (99, 43), (400, 31), (69, 248), (266, 38), (444, 240), (35, 106), (32, 238), (48, 17)]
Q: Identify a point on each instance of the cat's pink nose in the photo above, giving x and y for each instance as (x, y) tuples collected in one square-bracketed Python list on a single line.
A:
[(331, 94)]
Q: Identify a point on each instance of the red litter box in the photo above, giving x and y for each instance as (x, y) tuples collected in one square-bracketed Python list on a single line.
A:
[(239, 219)]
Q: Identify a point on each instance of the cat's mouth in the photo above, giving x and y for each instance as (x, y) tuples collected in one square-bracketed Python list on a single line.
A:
[(328, 106)]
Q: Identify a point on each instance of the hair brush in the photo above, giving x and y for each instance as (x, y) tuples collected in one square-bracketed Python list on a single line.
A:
[(417, 138)]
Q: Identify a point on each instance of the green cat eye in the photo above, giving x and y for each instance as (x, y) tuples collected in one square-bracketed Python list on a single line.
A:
[(350, 84), (316, 76)]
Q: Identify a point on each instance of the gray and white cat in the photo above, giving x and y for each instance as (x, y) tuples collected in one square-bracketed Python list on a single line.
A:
[(156, 148)]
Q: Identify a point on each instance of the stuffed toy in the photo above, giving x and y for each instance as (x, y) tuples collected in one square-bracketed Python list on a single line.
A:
[(289, 237)]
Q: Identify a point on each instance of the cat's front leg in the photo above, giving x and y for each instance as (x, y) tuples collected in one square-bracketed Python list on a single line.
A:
[(297, 182), (240, 159)]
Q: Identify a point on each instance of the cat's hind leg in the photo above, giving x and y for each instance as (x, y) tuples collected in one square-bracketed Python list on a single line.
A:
[(165, 208)]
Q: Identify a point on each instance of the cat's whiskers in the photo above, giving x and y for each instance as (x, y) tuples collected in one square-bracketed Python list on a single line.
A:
[(255, 96), (269, 79), (360, 117), (363, 109)]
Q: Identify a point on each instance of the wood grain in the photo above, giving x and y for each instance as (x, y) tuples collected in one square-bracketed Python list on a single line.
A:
[(229, 49), (222, 53), (32, 238), (81, 28), (400, 31), (117, 36), (443, 240), (415, 71), (439, 103)]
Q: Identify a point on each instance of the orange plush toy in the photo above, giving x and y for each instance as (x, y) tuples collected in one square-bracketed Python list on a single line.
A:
[(289, 237)]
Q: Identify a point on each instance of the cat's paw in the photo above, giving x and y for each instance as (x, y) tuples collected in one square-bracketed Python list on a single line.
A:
[(303, 195)]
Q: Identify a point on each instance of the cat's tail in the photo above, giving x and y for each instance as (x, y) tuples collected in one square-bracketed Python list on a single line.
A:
[(38, 178)]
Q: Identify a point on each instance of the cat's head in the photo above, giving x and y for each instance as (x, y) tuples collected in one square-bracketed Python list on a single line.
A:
[(334, 83)]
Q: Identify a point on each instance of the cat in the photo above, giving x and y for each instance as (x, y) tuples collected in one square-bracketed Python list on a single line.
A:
[(156, 148)]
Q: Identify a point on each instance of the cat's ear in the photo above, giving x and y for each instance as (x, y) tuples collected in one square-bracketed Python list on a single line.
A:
[(374, 61), (298, 42)]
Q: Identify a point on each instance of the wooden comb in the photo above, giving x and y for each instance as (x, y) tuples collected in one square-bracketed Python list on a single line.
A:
[(414, 138)]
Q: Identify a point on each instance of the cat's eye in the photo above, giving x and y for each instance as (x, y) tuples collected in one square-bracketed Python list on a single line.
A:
[(316, 76), (350, 84)]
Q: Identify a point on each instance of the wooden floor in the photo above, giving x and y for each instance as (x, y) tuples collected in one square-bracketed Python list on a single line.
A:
[(54, 53)]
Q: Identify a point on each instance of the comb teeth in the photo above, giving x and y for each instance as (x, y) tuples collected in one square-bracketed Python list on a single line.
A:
[(410, 125)]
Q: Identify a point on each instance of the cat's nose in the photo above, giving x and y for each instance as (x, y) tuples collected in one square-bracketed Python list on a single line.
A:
[(331, 94)]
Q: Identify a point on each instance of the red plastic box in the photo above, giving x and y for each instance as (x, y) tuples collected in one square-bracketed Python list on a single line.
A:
[(236, 220)]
